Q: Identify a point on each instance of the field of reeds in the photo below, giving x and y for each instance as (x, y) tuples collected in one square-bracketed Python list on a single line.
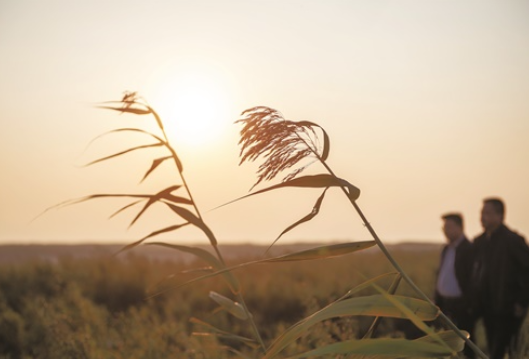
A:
[(66, 304), (69, 305)]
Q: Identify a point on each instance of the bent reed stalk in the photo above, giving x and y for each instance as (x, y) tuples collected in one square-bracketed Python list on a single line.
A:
[(132, 103), (404, 275), (239, 295), (283, 144)]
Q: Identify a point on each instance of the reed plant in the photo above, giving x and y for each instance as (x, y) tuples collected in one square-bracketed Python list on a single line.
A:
[(285, 146)]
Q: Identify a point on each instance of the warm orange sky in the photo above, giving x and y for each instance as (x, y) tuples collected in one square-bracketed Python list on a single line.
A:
[(425, 103)]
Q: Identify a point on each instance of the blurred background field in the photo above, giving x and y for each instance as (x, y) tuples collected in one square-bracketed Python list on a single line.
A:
[(83, 302)]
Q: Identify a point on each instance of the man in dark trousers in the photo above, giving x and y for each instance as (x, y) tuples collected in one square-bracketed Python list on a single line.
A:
[(501, 276), (452, 293)]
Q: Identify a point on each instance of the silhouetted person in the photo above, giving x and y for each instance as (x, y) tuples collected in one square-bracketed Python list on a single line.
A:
[(452, 293), (501, 276)]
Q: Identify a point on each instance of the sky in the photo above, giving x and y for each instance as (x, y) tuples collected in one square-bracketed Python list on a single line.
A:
[(425, 104)]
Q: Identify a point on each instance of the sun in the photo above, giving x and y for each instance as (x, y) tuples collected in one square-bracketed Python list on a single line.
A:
[(194, 107)]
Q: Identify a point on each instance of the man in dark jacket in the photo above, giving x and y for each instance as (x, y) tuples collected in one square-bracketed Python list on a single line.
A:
[(452, 293), (501, 277)]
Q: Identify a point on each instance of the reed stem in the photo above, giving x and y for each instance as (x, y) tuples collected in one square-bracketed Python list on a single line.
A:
[(240, 297), (395, 264), (404, 275)]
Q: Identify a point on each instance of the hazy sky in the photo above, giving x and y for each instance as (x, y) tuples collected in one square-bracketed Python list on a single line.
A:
[(426, 104)]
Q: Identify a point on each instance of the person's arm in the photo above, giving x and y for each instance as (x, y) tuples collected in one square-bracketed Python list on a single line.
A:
[(520, 253)]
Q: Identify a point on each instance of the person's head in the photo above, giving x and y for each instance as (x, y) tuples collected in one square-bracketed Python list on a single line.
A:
[(492, 213), (452, 226)]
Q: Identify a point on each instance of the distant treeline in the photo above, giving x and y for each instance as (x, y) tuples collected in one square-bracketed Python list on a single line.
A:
[(16, 253)]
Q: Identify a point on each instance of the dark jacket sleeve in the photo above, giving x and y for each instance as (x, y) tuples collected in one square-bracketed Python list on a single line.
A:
[(464, 265), (519, 251)]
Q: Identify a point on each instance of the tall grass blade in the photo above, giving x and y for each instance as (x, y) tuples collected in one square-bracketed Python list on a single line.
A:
[(311, 181), (149, 203), (412, 315), (73, 201), (391, 290), (152, 234), (164, 194), (308, 217), (239, 354), (128, 129), (328, 251), (124, 208), (449, 337), (123, 152), (320, 254), (136, 111), (155, 163), (174, 199), (367, 284), (229, 305), (374, 305), (392, 348), (208, 258), (207, 269), (250, 342), (198, 252), (193, 219)]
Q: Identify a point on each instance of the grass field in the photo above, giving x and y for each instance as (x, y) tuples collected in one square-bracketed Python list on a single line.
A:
[(68, 302)]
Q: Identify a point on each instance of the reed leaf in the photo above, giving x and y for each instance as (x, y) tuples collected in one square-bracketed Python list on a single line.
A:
[(198, 252), (310, 181), (374, 305), (127, 129), (136, 111), (208, 258), (164, 194), (367, 284), (193, 219), (321, 254), (216, 331), (208, 269), (449, 337), (152, 234), (239, 354), (392, 289), (155, 163), (130, 102), (388, 348), (73, 201), (229, 305), (150, 202), (124, 152), (412, 315), (124, 208), (328, 251), (308, 217)]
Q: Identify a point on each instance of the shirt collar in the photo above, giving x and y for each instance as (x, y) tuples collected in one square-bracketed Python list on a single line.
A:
[(457, 242)]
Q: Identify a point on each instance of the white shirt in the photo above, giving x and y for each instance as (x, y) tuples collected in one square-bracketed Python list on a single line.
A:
[(447, 284)]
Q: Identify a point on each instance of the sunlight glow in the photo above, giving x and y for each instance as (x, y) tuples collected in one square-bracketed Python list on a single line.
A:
[(194, 107)]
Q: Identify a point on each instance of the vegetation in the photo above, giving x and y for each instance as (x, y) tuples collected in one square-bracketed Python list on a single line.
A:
[(293, 146), (96, 308)]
